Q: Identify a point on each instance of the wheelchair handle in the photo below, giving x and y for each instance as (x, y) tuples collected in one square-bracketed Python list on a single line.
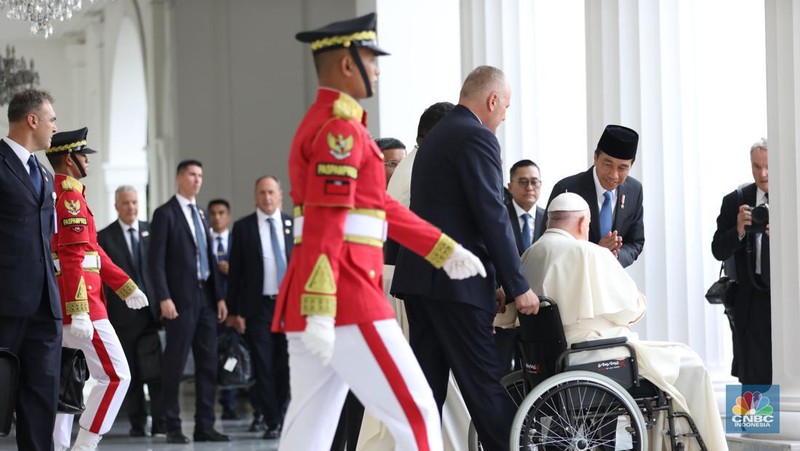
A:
[(545, 301)]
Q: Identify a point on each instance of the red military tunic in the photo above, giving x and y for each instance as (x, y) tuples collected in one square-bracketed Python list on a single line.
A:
[(81, 264), (341, 214)]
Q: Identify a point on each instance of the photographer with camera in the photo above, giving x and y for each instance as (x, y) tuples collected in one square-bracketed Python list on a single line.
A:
[(743, 233)]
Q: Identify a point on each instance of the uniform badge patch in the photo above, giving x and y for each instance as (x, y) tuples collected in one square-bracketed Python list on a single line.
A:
[(337, 187), (73, 206), (340, 146)]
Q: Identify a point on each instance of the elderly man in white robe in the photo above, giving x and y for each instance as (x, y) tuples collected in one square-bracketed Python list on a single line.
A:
[(598, 299)]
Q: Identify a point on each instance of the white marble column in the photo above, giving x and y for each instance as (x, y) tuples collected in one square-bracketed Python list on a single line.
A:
[(783, 108)]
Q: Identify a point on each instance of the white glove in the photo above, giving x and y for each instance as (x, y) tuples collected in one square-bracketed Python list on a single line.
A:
[(319, 336), (137, 300), (463, 264), (81, 326)]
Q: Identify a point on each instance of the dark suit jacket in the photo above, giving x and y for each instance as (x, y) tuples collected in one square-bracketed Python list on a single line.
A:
[(173, 257), (726, 244), (457, 185), (26, 266), (538, 225), (628, 218), (112, 240), (246, 274)]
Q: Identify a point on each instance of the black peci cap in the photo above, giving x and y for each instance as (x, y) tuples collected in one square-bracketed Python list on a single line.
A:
[(619, 142), (360, 32), (72, 141)]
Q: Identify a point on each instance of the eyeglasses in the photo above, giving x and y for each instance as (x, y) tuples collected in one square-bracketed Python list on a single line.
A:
[(391, 163), (523, 183)]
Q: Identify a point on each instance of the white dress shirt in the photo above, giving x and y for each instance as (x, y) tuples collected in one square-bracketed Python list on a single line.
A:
[(600, 199), (521, 221), (271, 283), (187, 213), (127, 234)]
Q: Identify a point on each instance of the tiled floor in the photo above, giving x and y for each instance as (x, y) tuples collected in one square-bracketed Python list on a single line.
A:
[(118, 440)]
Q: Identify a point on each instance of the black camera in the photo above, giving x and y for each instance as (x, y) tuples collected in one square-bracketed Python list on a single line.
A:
[(759, 219)]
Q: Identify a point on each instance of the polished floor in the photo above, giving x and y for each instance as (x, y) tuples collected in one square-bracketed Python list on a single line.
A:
[(119, 440)]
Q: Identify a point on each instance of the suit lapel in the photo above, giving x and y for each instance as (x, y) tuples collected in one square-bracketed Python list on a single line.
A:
[(13, 163), (620, 213), (119, 238), (178, 211), (589, 193), (288, 235)]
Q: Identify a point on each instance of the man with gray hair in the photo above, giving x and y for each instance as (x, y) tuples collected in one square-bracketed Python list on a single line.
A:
[(598, 299), (458, 185), (742, 237), (126, 242)]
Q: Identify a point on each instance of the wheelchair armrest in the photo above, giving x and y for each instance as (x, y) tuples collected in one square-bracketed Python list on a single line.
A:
[(602, 343)]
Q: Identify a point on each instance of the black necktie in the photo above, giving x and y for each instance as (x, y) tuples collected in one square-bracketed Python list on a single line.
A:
[(135, 255), (36, 176), (221, 255)]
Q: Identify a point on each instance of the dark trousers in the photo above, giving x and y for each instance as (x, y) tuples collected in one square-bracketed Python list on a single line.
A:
[(270, 356), (753, 341), (134, 402), (456, 336), (36, 341), (349, 427), (194, 329)]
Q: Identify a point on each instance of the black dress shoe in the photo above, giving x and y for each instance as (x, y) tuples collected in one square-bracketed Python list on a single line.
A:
[(137, 431), (230, 414), (272, 432), (176, 437), (158, 428), (257, 424), (210, 436)]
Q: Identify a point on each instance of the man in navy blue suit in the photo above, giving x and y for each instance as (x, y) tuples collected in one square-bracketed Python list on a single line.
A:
[(127, 241), (184, 272), (30, 308), (260, 240), (614, 197), (458, 186)]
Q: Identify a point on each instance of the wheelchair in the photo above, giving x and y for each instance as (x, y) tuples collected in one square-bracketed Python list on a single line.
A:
[(594, 405)]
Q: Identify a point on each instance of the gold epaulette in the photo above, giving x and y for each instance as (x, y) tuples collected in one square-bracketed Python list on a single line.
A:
[(441, 251), (71, 184), (346, 107), (127, 289)]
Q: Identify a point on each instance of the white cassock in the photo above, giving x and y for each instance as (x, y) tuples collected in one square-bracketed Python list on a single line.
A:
[(374, 436), (597, 298)]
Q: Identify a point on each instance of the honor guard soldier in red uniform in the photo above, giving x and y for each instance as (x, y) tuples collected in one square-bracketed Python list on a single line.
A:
[(81, 269), (340, 328)]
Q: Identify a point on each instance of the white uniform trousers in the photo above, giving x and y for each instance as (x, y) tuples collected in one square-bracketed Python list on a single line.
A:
[(108, 366), (373, 360)]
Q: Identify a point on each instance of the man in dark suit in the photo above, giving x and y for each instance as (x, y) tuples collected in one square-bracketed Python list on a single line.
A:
[(30, 307), (126, 241), (528, 224), (614, 198), (262, 246), (524, 189), (749, 246), (219, 218), (183, 273), (458, 186)]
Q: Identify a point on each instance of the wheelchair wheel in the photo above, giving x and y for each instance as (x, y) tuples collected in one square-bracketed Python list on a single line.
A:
[(515, 387), (578, 410)]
